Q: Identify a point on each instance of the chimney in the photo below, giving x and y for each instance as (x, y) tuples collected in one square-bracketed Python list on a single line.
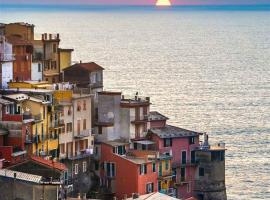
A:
[(80, 61), (123, 97), (50, 36), (84, 196), (57, 36), (79, 196)]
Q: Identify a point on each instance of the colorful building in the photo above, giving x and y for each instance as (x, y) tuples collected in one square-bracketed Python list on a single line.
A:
[(141, 176), (181, 145)]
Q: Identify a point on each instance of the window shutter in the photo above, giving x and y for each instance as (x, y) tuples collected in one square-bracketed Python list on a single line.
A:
[(164, 141), (170, 141), (145, 168)]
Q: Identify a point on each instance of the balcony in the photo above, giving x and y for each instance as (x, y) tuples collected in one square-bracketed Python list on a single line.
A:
[(83, 134), (186, 164), (165, 175), (183, 180), (55, 124), (81, 154)]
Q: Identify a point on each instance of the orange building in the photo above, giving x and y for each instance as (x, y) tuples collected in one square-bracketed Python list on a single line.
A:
[(126, 173)]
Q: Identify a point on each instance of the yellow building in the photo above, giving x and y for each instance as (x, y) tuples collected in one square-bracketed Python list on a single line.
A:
[(47, 117), (65, 56), (165, 182)]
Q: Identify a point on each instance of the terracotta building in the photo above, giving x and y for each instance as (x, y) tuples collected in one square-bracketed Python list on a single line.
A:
[(141, 176)]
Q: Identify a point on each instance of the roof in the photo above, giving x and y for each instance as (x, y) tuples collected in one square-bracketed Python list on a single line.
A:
[(49, 163), (115, 143), (154, 196), (22, 97), (169, 131), (191, 198), (21, 176), (5, 102), (111, 93), (145, 142), (91, 67), (17, 41), (65, 50), (156, 116), (21, 23)]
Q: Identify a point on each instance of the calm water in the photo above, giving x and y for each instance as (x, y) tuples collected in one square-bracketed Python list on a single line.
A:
[(208, 70)]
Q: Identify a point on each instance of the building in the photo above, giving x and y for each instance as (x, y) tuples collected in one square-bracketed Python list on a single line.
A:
[(140, 178), (181, 145), (210, 174), (51, 57), (85, 75), (6, 62), (76, 142), (65, 59), (25, 186)]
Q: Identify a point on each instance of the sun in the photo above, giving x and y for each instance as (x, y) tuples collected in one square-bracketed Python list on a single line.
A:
[(163, 3)]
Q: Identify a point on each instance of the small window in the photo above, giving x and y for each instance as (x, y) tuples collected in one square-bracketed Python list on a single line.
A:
[(84, 166), (143, 169), (167, 142), (184, 157), (76, 168), (154, 167), (84, 124), (39, 67), (84, 104), (100, 130), (193, 158), (149, 188), (191, 140), (201, 171), (166, 164), (96, 166)]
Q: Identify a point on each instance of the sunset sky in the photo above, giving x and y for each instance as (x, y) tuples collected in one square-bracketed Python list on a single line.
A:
[(138, 2)]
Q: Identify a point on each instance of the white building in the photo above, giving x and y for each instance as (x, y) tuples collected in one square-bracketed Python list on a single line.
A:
[(6, 62), (37, 63)]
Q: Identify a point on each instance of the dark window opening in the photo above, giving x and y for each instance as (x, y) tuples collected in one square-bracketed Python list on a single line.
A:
[(201, 171)]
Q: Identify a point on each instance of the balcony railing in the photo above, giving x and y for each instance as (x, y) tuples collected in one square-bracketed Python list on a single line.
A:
[(183, 180), (82, 134), (185, 164), (81, 154)]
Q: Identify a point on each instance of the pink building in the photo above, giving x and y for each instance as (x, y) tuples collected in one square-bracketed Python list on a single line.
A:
[(181, 145)]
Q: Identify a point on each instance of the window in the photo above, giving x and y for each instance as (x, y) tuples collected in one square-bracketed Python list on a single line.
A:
[(143, 169), (7, 109), (154, 167), (188, 188), (166, 164), (76, 168), (100, 130), (201, 171), (39, 67), (167, 142), (84, 166), (192, 155), (120, 150), (149, 188), (84, 124), (54, 48), (191, 140), (217, 156), (96, 165), (183, 173), (78, 126), (79, 106), (110, 169), (69, 127), (84, 104), (69, 110), (184, 157), (159, 185)]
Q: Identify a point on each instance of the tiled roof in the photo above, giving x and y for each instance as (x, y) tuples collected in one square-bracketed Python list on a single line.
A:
[(169, 131), (49, 163), (91, 66), (21, 176), (154, 116), (154, 196)]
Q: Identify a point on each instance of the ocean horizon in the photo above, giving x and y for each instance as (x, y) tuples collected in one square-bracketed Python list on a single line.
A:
[(76, 7)]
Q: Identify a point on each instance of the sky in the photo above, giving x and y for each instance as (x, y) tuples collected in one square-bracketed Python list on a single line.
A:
[(138, 2)]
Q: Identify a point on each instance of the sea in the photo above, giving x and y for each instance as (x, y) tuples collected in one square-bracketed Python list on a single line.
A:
[(205, 67)]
